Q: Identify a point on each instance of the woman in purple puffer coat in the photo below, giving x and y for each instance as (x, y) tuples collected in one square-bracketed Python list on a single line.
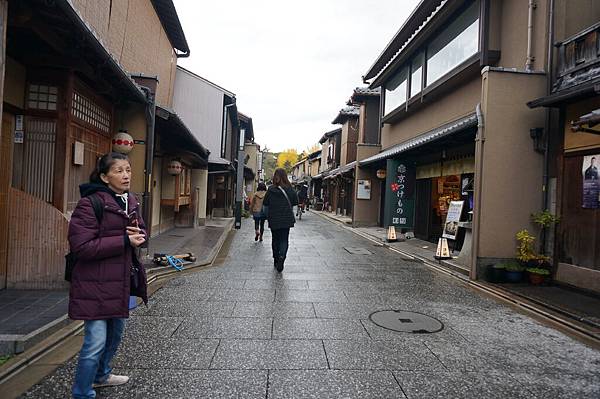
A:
[(106, 260)]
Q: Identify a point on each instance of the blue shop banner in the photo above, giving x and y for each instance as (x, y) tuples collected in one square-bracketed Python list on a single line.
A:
[(400, 194)]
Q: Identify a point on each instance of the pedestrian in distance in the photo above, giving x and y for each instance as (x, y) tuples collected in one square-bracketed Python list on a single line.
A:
[(258, 213), (280, 200), (107, 270)]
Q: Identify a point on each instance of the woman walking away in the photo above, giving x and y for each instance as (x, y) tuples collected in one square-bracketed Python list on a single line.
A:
[(104, 231), (257, 211), (280, 200)]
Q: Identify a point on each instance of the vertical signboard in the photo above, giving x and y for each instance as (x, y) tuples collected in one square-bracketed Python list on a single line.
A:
[(400, 194)]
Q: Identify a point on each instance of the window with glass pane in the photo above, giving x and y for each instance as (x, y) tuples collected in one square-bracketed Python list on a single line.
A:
[(416, 76), (395, 90), (42, 97), (454, 45)]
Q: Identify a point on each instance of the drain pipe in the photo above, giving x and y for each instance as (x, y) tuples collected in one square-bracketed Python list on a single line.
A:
[(147, 196), (479, 142), (530, 57), (549, 75)]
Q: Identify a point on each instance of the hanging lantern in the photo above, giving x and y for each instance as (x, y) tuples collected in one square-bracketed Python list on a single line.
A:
[(122, 142), (381, 173), (174, 168)]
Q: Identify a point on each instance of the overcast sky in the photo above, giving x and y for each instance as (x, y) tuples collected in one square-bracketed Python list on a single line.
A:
[(292, 65)]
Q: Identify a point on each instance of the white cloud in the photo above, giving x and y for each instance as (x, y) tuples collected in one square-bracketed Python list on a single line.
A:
[(292, 65)]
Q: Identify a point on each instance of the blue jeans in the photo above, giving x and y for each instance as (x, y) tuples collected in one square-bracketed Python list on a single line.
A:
[(279, 242), (100, 343)]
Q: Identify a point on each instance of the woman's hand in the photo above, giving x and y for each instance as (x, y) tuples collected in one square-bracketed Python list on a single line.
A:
[(133, 230), (136, 240)]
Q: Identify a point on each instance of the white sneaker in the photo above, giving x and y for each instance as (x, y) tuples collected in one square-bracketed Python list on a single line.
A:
[(113, 380)]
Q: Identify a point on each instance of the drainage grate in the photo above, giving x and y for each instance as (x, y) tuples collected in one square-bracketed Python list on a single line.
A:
[(405, 321), (358, 251)]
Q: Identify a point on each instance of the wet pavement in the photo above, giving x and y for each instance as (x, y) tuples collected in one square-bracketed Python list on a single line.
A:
[(242, 330)]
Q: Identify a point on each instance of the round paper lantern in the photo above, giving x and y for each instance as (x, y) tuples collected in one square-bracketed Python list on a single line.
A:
[(174, 168), (122, 142), (381, 173)]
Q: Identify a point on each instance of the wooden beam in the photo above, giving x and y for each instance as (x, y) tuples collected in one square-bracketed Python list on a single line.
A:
[(5, 136)]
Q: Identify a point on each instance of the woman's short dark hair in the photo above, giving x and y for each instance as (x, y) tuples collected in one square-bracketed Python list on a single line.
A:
[(105, 162), (261, 187), (280, 178)]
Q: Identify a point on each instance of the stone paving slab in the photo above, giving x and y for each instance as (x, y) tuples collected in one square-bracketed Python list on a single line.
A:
[(187, 308), (256, 328), (318, 329), (166, 353), (447, 384), (274, 310), (369, 355), (333, 384), (270, 354)]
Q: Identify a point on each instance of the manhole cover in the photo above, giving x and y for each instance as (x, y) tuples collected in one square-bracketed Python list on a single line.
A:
[(358, 250), (404, 321)]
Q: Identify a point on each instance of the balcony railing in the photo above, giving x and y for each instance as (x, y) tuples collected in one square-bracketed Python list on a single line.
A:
[(578, 58)]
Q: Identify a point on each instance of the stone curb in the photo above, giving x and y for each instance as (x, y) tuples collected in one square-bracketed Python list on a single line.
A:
[(30, 355)]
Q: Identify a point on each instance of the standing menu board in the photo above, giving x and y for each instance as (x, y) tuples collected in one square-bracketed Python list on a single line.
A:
[(452, 219)]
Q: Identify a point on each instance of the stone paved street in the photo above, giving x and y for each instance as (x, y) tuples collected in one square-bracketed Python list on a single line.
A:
[(241, 330)]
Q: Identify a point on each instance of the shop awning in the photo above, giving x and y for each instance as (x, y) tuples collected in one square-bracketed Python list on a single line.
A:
[(556, 99), (425, 138), (178, 138)]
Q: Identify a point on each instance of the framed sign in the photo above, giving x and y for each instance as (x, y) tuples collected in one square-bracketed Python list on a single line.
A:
[(364, 190), (452, 219)]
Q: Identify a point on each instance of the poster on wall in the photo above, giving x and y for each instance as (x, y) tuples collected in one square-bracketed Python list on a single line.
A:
[(364, 190), (591, 182), (400, 194), (452, 219)]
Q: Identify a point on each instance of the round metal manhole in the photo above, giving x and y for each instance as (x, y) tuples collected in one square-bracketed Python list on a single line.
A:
[(405, 321)]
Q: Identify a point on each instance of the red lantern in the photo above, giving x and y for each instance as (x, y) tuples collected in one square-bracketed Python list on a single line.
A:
[(122, 142)]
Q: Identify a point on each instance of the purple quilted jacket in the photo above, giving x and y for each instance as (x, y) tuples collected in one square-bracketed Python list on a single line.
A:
[(100, 285)]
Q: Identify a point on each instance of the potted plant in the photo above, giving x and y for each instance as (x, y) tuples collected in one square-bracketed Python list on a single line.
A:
[(538, 269), (513, 271), (496, 273)]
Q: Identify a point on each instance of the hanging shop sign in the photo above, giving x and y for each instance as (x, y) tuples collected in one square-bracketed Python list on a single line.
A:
[(364, 190), (122, 142), (380, 173), (452, 219), (400, 194), (591, 181)]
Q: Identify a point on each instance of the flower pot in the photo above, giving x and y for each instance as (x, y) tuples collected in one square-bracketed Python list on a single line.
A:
[(536, 279), (513, 277), (495, 275)]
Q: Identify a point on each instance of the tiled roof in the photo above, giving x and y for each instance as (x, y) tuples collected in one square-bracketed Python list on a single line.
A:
[(432, 135), (345, 113), (366, 91)]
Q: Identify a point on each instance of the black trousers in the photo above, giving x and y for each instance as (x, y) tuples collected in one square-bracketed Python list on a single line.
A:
[(279, 242), (259, 224)]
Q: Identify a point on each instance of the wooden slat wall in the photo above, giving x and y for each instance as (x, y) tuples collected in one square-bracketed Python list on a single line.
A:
[(37, 243), (95, 145), (5, 176)]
